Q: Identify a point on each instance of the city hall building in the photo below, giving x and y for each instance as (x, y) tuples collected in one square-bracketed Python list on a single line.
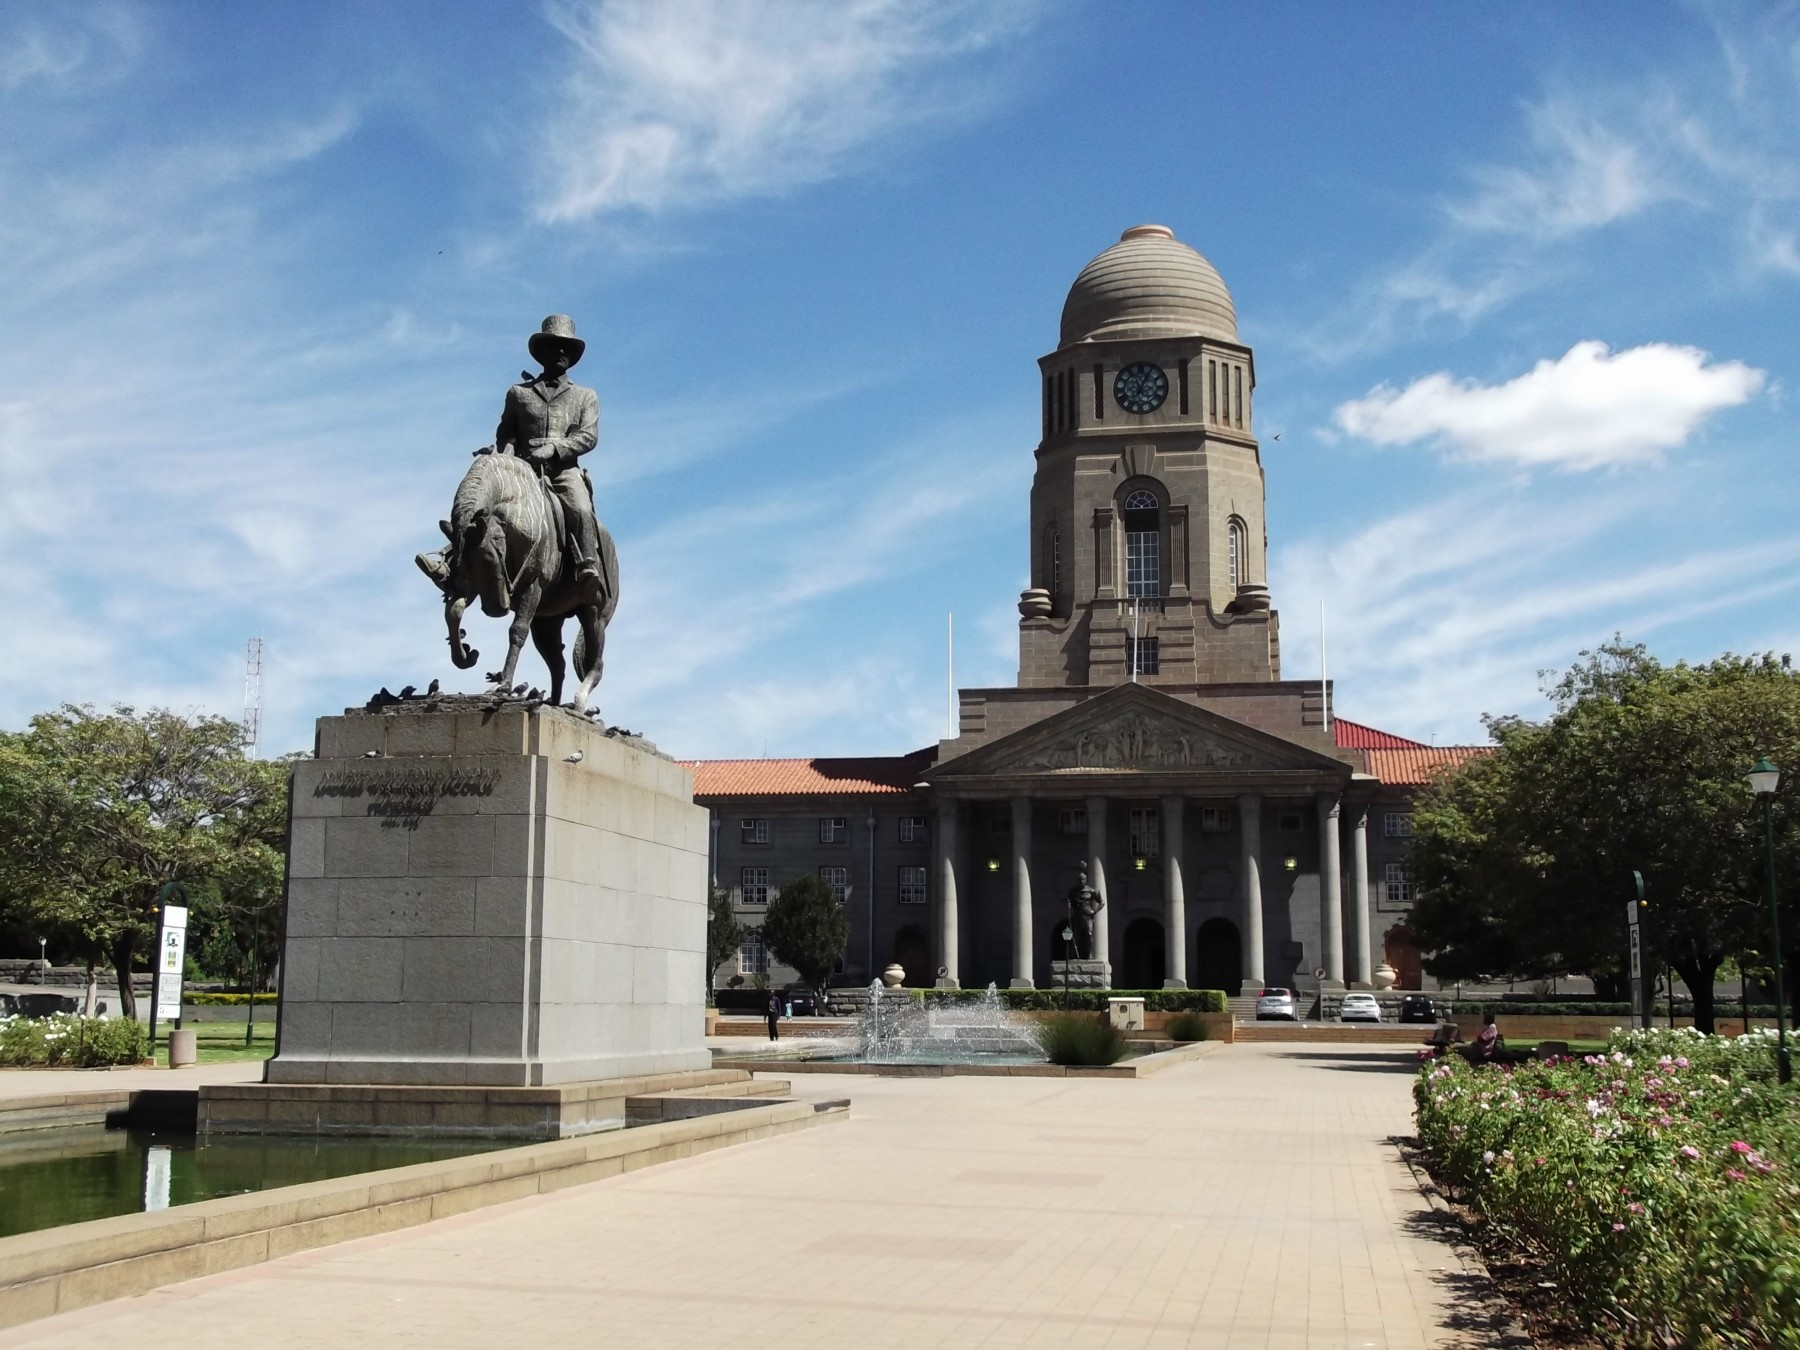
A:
[(1239, 833)]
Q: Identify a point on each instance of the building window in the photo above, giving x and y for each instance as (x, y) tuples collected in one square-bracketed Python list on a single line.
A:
[(1000, 824), (838, 878), (1215, 819), (1234, 534), (1237, 396), (1181, 379), (1143, 543), (1212, 391), (1146, 832), (833, 830), (1071, 820), (912, 885), (1049, 406), (1099, 384), (753, 957), (1397, 885), (753, 831), (1290, 822), (1396, 825), (912, 830), (1054, 562), (754, 889), (1070, 400), (1144, 656)]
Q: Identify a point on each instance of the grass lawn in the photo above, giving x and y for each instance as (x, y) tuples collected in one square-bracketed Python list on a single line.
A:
[(221, 1042)]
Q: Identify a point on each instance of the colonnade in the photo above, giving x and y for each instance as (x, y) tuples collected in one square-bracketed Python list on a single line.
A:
[(1329, 808)]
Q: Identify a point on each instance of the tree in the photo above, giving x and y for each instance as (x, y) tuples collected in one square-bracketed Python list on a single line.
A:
[(807, 929), (99, 811), (724, 935), (1523, 858)]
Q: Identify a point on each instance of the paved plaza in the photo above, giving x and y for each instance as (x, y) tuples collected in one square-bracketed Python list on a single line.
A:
[(1251, 1198)]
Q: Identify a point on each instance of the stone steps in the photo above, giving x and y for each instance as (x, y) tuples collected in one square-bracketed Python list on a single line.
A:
[(1333, 1032)]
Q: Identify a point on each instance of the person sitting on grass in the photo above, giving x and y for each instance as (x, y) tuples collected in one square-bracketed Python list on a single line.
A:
[(1488, 1042)]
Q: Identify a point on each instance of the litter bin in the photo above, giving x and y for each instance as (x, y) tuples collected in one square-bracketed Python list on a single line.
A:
[(1126, 1014), (183, 1054)]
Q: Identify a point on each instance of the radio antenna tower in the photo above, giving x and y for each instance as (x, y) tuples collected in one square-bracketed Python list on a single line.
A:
[(252, 696)]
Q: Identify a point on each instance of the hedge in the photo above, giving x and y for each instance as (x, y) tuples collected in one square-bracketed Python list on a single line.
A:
[(1084, 1000), (204, 1000), (1524, 1008), (67, 1041)]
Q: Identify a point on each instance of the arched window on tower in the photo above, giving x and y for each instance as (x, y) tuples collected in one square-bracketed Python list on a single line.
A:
[(1052, 576), (1142, 512), (1236, 557)]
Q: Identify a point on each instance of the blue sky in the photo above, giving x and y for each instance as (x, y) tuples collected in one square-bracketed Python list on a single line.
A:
[(1520, 279)]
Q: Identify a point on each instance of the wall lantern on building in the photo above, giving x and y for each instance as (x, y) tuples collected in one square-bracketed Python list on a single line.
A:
[(1140, 862), (993, 864), (1290, 863)]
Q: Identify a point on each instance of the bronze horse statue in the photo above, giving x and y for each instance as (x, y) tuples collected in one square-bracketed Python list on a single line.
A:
[(509, 550)]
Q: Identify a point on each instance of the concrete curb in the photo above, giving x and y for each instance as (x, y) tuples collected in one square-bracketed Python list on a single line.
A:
[(1142, 1067), (61, 1269)]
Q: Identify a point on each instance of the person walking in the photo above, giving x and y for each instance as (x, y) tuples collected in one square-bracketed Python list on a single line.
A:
[(774, 1015)]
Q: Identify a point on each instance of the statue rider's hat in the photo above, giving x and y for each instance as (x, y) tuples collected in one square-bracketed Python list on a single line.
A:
[(558, 331)]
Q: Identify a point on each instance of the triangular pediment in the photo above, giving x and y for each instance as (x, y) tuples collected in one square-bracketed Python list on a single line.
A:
[(1135, 729)]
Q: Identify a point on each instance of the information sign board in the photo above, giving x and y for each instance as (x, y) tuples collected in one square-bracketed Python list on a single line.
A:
[(171, 960)]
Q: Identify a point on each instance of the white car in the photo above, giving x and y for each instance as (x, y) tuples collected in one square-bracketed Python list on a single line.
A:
[(1359, 1007), (1276, 1004)]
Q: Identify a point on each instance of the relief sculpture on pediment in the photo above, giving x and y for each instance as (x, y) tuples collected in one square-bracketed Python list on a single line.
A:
[(1135, 741)]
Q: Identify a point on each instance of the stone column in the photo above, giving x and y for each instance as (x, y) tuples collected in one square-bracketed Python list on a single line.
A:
[(1021, 862), (1250, 869), (1331, 888), (1362, 962), (948, 871), (1096, 834), (1174, 897)]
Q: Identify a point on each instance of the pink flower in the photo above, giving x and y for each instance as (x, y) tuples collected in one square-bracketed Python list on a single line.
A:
[(1635, 1207), (1733, 1174), (1739, 1146), (1618, 1228), (1689, 1151)]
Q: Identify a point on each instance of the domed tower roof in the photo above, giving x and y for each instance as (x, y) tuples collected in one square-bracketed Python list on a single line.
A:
[(1149, 284)]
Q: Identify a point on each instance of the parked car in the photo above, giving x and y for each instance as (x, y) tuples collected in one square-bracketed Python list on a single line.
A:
[(1359, 1007), (1418, 1008), (803, 1002), (1274, 1004)]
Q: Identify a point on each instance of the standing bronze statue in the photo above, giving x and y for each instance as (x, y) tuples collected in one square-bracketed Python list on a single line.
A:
[(523, 536)]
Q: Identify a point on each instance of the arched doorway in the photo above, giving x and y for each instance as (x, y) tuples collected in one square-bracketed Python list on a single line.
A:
[(1403, 956), (1218, 957), (1143, 965), (913, 951)]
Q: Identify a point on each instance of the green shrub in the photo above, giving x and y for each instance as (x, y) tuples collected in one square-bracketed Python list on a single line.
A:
[(1188, 1026), (1653, 1184), (1572, 1008), (68, 1041), (214, 1000), (1079, 1038)]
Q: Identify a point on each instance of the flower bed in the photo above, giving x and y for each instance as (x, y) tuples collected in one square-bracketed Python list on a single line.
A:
[(1657, 1185), (67, 1041)]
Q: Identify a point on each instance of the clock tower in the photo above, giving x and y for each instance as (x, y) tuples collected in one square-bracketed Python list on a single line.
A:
[(1148, 548)]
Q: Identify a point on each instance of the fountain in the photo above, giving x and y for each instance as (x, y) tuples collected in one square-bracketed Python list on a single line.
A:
[(897, 1029)]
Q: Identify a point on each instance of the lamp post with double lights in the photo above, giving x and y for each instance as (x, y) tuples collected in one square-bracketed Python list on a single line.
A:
[(1764, 779)]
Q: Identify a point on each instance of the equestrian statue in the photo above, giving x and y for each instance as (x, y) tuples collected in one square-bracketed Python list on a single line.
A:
[(523, 536)]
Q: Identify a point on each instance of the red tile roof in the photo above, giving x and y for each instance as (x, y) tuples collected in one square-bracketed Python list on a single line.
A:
[(873, 775), (1356, 736), (1417, 765)]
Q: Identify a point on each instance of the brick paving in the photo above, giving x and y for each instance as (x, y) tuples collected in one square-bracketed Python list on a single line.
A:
[(1248, 1199)]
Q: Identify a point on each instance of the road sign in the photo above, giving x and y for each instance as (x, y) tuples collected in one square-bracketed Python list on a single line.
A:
[(171, 960)]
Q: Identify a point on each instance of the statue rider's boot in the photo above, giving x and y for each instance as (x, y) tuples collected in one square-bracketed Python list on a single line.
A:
[(434, 566), (585, 545)]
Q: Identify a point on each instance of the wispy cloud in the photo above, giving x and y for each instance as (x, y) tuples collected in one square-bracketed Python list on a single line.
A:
[(675, 103), (1588, 409), (1448, 610), (83, 43)]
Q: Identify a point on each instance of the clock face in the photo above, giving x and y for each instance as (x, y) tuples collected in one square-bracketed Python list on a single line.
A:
[(1141, 388)]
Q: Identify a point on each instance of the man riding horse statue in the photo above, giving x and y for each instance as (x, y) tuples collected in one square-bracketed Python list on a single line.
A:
[(523, 536)]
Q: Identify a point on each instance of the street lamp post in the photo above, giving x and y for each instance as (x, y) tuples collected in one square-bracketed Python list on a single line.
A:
[(1764, 779)]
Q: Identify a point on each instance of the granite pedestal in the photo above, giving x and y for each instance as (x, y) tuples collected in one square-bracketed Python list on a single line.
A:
[(490, 899)]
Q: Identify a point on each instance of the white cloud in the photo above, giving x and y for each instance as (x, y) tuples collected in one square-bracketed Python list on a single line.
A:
[(1585, 175), (682, 102), (1589, 409)]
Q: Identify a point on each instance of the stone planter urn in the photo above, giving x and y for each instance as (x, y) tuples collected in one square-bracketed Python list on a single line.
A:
[(894, 976), (712, 1022), (1385, 975)]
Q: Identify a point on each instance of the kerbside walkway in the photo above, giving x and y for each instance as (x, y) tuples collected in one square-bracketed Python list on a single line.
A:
[(1251, 1198)]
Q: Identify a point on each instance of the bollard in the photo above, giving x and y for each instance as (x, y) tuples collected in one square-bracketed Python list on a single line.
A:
[(182, 1052)]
